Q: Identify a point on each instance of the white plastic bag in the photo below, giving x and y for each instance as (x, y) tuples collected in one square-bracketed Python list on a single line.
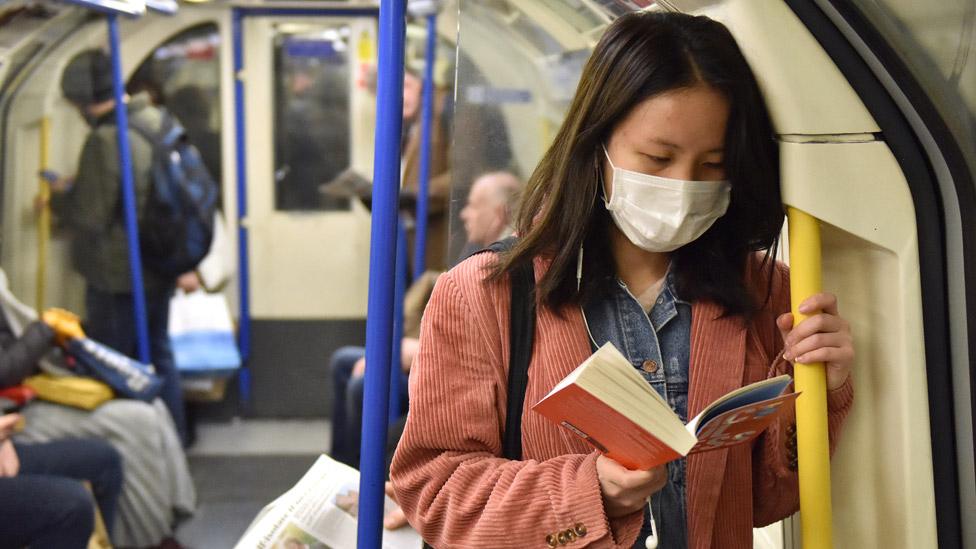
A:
[(201, 333)]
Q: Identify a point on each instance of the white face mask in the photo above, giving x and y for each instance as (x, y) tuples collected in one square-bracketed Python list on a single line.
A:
[(659, 214)]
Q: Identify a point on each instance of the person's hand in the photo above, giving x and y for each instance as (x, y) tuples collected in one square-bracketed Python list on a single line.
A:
[(395, 518), (409, 346), (625, 491), (62, 184), (41, 201), (9, 424), (9, 462), (66, 325), (823, 337), (359, 368), (188, 282)]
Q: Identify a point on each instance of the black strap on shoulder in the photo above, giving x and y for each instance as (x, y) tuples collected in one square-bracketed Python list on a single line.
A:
[(520, 337)]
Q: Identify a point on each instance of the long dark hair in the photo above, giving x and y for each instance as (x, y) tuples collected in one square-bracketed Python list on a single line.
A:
[(642, 55)]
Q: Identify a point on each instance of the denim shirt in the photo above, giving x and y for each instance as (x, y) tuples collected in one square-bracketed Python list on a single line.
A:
[(658, 344)]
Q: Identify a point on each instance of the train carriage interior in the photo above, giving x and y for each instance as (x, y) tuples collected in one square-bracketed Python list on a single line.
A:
[(874, 108)]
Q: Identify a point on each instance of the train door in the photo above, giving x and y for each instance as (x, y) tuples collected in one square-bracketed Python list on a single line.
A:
[(307, 118)]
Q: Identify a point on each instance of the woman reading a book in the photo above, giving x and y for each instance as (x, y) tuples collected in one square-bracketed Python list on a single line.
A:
[(650, 223)]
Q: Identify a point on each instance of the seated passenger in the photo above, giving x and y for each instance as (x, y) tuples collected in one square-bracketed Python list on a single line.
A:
[(42, 502), (158, 489), (488, 215), (487, 218)]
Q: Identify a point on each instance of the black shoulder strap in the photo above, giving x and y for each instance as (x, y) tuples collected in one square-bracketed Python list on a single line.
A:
[(520, 337)]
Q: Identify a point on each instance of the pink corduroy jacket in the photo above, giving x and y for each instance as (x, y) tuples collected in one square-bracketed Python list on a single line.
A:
[(458, 492)]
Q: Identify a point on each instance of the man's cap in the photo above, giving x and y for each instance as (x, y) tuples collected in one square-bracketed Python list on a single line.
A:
[(88, 78)]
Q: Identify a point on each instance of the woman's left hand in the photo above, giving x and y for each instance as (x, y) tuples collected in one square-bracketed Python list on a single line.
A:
[(823, 337)]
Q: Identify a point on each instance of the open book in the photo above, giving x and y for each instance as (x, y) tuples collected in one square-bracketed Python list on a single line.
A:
[(320, 512), (608, 404)]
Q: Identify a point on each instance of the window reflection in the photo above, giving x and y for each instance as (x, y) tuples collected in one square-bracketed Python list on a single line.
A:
[(312, 80), (183, 75)]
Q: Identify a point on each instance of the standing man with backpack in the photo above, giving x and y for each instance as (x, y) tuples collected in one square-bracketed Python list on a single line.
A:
[(91, 206)]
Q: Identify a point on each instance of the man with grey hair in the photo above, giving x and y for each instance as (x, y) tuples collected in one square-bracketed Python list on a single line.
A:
[(490, 209)]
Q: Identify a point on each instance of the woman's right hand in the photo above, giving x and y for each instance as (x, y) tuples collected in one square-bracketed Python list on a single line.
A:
[(625, 491)]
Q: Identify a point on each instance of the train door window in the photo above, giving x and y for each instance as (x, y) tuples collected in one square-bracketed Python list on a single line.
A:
[(937, 41), (183, 75), (312, 134)]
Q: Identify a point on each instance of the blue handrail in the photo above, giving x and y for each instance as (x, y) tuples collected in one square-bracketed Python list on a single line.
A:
[(400, 289), (128, 191), (423, 179), (243, 268), (382, 263)]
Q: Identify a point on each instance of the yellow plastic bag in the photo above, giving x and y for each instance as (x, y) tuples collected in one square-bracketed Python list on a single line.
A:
[(79, 392)]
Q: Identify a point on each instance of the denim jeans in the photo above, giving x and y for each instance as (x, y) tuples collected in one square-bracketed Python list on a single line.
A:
[(347, 405), (658, 345), (45, 505), (111, 320)]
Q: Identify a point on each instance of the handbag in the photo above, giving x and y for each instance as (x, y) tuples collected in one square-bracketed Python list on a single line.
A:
[(128, 377)]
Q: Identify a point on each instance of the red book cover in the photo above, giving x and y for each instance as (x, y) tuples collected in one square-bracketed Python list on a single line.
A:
[(605, 429), (609, 405)]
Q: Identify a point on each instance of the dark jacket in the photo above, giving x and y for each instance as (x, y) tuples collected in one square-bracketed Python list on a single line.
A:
[(19, 355), (92, 207)]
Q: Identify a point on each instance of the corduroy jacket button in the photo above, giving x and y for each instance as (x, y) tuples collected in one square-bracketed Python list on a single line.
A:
[(580, 529), (571, 535), (551, 540), (563, 538)]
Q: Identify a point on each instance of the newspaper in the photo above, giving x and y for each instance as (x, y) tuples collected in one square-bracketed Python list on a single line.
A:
[(320, 513)]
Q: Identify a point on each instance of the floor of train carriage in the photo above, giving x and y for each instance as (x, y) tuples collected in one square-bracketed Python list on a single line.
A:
[(242, 465)]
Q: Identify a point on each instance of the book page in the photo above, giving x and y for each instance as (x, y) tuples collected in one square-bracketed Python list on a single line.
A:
[(321, 511), (741, 424), (754, 392), (609, 376)]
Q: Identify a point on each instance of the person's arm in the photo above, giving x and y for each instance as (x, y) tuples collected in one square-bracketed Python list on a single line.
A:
[(91, 204), (775, 481), (447, 473), (19, 355)]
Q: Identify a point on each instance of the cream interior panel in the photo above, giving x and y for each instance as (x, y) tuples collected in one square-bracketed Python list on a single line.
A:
[(805, 92), (882, 472), (39, 96), (303, 265)]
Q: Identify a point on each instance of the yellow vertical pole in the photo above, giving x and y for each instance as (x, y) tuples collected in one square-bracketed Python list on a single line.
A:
[(44, 216), (813, 449)]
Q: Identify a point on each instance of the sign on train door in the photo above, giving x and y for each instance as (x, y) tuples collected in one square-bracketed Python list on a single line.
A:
[(309, 114)]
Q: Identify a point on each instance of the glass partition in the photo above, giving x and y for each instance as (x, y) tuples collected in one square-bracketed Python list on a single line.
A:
[(518, 64)]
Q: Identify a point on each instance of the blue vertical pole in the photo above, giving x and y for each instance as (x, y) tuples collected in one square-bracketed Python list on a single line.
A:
[(244, 327), (382, 264), (128, 192), (400, 288), (423, 179)]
